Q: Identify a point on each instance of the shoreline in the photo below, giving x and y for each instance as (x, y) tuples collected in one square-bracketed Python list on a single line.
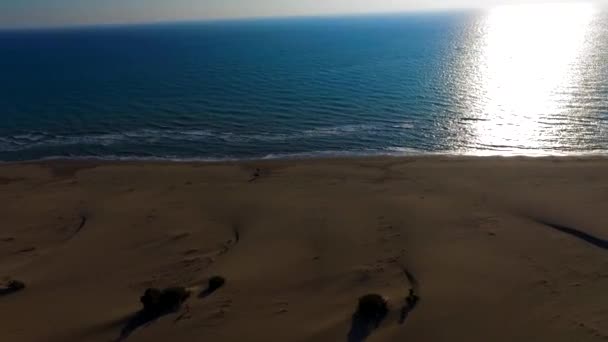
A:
[(306, 158)]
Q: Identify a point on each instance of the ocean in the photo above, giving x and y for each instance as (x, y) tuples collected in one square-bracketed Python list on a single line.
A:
[(519, 80)]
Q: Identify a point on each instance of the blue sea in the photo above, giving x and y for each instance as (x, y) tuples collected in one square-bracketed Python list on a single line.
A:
[(519, 80)]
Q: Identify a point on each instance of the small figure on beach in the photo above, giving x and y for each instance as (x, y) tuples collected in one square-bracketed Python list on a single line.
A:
[(256, 174)]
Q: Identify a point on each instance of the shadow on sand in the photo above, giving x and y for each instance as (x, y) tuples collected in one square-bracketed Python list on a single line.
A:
[(579, 234), (156, 303), (361, 327), (206, 293), (6, 292), (141, 319), (410, 304)]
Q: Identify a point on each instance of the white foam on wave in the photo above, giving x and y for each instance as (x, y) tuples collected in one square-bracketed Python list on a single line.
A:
[(23, 142), (135, 158), (326, 154)]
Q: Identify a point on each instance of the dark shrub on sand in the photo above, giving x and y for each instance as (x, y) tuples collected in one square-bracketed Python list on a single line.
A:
[(15, 285), (372, 308), (371, 311), (11, 287), (150, 300), (412, 299), (215, 283), (157, 302)]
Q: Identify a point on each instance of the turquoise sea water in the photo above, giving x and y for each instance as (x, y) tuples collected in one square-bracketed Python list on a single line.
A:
[(507, 81)]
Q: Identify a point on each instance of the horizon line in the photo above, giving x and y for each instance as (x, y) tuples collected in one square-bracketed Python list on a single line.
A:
[(76, 26), (238, 19)]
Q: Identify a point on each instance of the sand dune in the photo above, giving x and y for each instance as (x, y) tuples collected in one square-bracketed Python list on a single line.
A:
[(498, 249)]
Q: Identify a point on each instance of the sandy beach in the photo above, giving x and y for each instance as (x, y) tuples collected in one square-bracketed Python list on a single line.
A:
[(498, 249)]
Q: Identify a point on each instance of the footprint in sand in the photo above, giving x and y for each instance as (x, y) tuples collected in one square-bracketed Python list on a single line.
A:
[(281, 307)]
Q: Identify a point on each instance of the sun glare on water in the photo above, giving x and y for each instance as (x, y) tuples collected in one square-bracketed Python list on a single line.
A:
[(528, 58)]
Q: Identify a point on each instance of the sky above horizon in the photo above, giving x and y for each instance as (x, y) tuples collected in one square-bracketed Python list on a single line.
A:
[(42, 13)]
